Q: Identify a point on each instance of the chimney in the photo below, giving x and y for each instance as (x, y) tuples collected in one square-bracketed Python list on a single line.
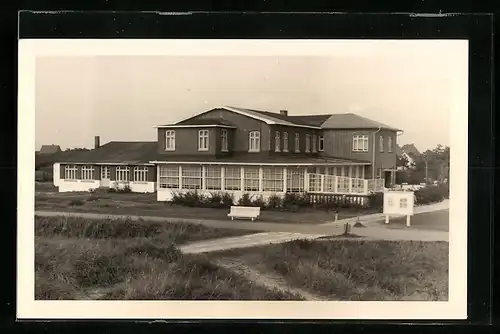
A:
[(97, 142), (284, 112)]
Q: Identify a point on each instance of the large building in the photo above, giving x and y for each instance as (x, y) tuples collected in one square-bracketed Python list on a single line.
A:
[(244, 151)]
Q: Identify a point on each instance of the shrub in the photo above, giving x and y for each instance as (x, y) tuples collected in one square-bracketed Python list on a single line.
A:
[(295, 200), (376, 200), (227, 200), (275, 202), (260, 202), (245, 200), (430, 194), (193, 198), (76, 202)]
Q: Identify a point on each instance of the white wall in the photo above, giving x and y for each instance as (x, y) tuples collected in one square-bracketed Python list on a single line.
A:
[(77, 185), (167, 194), (136, 187), (56, 174)]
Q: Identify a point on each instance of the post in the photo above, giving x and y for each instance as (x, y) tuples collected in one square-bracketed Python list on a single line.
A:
[(242, 178), (365, 186), (285, 179), (408, 220), (180, 177), (306, 180), (350, 185), (203, 177), (222, 178), (387, 219), (261, 177), (322, 184), (336, 184)]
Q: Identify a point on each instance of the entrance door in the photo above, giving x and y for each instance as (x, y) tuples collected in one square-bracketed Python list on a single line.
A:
[(105, 176), (388, 179)]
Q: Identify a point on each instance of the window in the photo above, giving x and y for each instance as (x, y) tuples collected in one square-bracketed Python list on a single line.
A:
[(285, 142), (203, 140), (251, 175), (122, 174), (330, 183), (191, 177), (321, 143), (295, 180), (170, 140), (381, 144), (297, 142), (213, 178), (314, 182), (403, 203), (169, 177), (272, 179), (70, 172), (308, 143), (87, 172), (360, 143), (105, 172), (141, 174), (223, 140), (254, 141), (314, 143), (389, 144), (232, 178), (277, 142)]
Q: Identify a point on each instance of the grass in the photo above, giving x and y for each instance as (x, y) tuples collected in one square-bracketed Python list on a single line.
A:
[(147, 205), (178, 233), (78, 259), (356, 269)]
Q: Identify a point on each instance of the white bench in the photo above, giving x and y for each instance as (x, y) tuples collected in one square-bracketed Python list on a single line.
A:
[(244, 212)]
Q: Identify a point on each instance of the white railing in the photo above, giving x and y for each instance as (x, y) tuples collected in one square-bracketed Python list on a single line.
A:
[(322, 183)]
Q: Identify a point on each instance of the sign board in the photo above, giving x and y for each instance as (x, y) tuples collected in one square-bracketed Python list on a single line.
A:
[(399, 202)]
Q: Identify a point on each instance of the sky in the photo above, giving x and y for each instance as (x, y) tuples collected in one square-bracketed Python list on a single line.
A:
[(123, 97)]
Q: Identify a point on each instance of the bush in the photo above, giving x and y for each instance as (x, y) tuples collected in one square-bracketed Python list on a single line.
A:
[(245, 200), (431, 194), (376, 200), (192, 199), (227, 200), (295, 200), (76, 202), (260, 202), (275, 202)]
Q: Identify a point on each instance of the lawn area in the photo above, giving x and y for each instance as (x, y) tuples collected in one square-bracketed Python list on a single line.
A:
[(147, 205), (353, 269), (433, 221), (124, 260)]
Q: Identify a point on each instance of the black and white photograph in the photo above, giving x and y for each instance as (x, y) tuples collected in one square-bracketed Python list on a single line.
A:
[(259, 175)]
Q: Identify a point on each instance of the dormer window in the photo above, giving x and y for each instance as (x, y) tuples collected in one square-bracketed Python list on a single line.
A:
[(381, 144), (170, 140), (314, 143), (203, 140), (297, 143), (321, 143), (389, 144), (308, 143), (254, 141), (223, 140), (277, 142), (285, 142)]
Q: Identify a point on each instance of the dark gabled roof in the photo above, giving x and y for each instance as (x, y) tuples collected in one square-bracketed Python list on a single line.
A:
[(261, 158), (353, 121), (325, 121), (203, 122), (118, 152), (49, 149)]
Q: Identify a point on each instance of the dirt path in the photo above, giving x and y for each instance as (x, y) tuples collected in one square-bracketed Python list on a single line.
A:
[(266, 280)]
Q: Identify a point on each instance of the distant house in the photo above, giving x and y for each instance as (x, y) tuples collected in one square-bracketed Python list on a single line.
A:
[(238, 150), (49, 149)]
